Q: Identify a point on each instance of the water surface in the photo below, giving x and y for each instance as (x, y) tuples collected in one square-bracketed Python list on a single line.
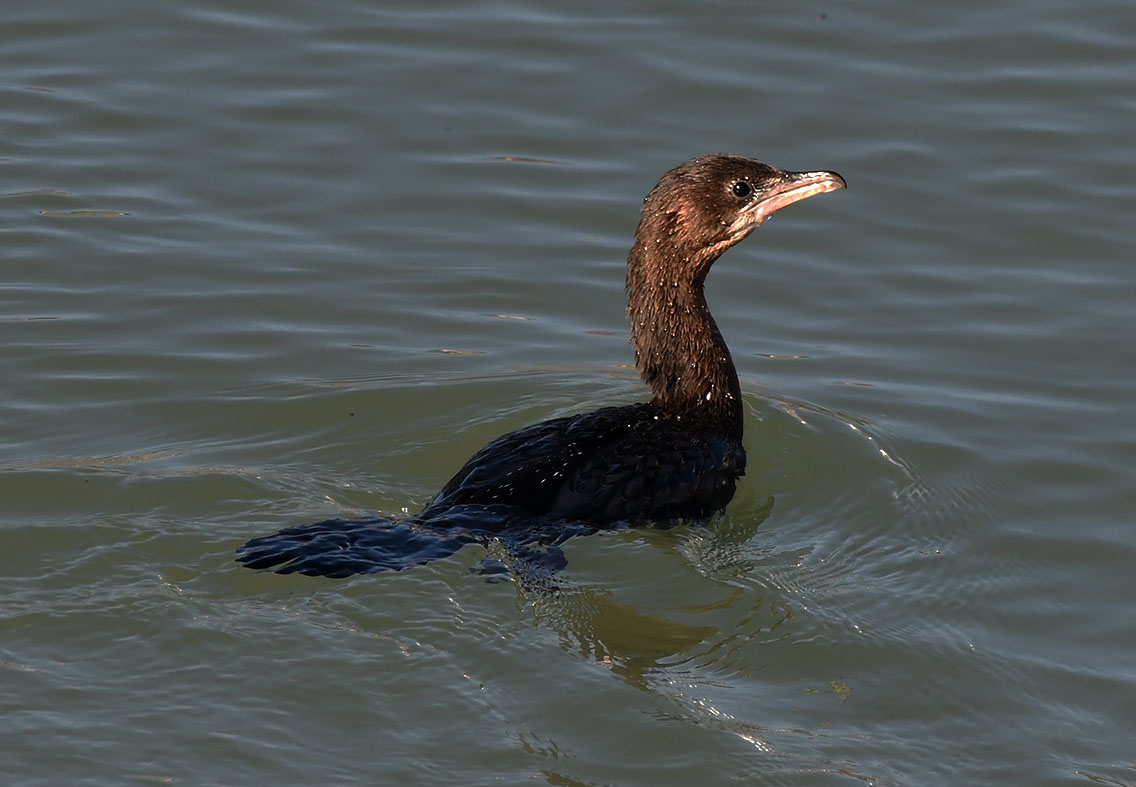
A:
[(269, 263)]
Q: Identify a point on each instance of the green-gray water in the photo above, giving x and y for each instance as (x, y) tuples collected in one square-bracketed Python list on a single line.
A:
[(263, 264)]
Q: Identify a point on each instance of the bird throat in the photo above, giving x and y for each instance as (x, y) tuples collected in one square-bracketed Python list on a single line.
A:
[(679, 350)]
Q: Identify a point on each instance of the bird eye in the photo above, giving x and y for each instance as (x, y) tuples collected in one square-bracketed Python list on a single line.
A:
[(741, 189)]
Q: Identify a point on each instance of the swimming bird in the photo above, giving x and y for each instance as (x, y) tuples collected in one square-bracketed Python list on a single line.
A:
[(675, 457)]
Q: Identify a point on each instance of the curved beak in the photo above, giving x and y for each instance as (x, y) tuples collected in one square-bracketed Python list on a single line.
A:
[(793, 187)]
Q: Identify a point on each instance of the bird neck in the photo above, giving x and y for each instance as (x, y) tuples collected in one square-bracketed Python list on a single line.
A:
[(679, 350)]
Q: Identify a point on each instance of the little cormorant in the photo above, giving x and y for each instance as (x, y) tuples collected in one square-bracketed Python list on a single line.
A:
[(677, 456)]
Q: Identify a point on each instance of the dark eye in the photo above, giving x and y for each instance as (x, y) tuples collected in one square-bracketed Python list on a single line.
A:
[(741, 189)]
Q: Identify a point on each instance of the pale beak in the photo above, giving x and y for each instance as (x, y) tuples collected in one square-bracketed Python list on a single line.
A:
[(793, 187)]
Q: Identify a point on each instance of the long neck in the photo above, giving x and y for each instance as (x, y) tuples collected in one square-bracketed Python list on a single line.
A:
[(678, 349)]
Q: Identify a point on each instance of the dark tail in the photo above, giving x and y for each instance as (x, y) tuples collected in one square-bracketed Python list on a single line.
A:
[(342, 547)]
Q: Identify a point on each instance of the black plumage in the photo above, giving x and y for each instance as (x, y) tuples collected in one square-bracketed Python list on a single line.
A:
[(675, 457)]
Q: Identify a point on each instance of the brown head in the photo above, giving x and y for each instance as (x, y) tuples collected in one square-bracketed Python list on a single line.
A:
[(695, 212)]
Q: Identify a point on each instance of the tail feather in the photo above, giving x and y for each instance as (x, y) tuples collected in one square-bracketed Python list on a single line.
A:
[(342, 547)]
